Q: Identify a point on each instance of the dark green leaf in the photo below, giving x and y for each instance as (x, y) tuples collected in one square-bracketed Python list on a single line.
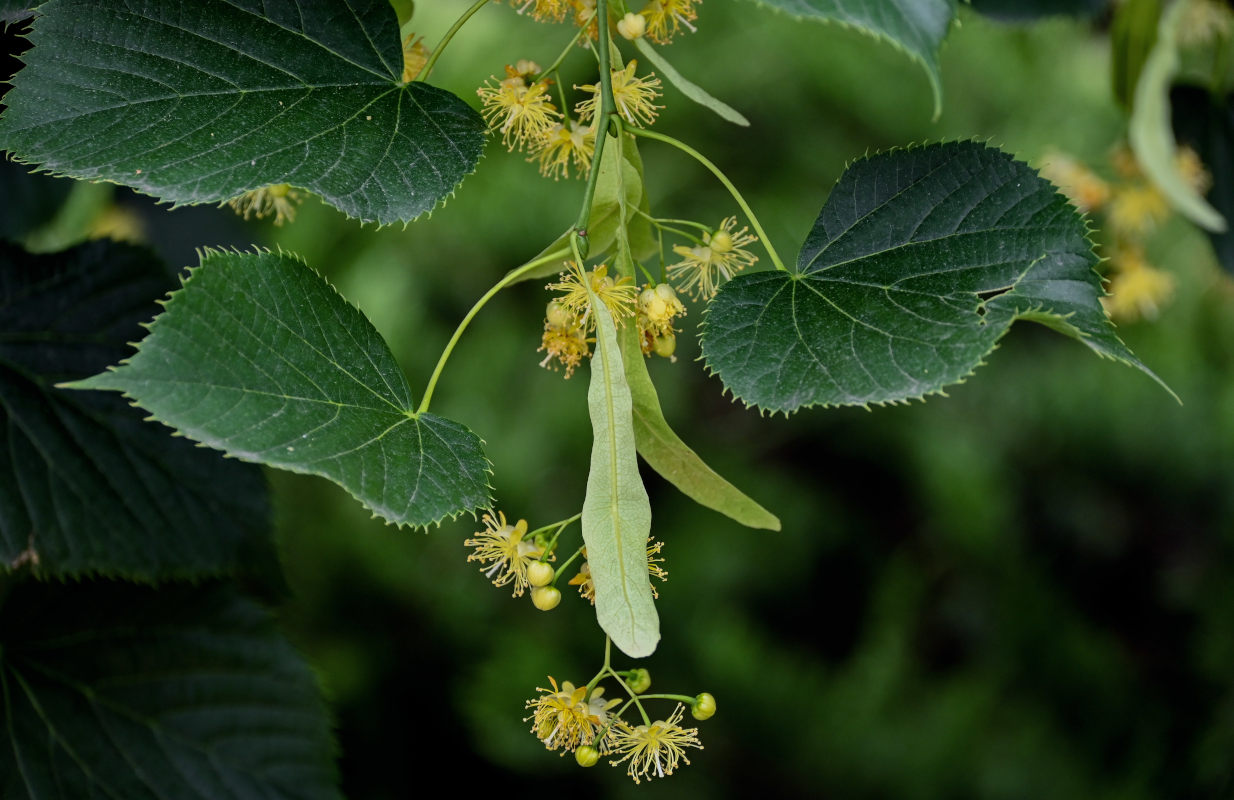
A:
[(85, 485), (120, 692), (199, 102), (668, 455), (917, 27), (1205, 122), (917, 265), (1132, 36), (259, 357)]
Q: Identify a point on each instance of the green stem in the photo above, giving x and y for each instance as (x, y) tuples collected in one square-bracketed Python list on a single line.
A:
[(591, 684), (678, 697), (634, 698), (745, 207), (552, 543), (606, 109), (552, 68), (659, 223), (510, 277), (445, 40), (562, 569)]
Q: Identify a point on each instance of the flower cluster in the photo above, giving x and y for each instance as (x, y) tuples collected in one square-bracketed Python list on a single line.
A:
[(1132, 208), (653, 748), (524, 113), (719, 256), (633, 96), (566, 718), (666, 18), (658, 306), (506, 551)]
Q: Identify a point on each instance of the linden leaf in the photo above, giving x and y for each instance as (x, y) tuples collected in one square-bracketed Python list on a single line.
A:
[(616, 511), (917, 265), (119, 691), (259, 357), (917, 27), (85, 485), (199, 102)]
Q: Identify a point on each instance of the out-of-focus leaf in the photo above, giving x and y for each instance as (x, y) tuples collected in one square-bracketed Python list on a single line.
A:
[(1150, 133), (30, 200), (1132, 36), (1029, 10), (257, 356), (116, 691), (85, 485), (616, 511), (200, 102), (918, 263)]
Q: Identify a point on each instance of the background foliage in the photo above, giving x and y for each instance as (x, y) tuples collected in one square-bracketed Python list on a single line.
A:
[(1024, 590)]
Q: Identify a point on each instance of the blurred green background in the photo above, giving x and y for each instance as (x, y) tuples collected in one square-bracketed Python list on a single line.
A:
[(1023, 590)]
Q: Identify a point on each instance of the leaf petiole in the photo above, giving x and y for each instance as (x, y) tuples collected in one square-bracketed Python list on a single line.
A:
[(510, 277), (445, 40)]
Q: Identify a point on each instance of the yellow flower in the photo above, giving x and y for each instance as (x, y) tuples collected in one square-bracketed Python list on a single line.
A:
[(1078, 183), (657, 308), (1188, 164), (657, 747), (1136, 209), (618, 296), (564, 145), (587, 589), (569, 346), (415, 56), (541, 10), (524, 114), (278, 199), (1137, 289), (633, 96), (1204, 21), (666, 17), (507, 554), (585, 17), (565, 717), (721, 255), (118, 223)]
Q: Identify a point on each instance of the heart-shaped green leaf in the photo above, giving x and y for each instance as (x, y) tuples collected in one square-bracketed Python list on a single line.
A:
[(917, 265), (199, 102), (259, 357)]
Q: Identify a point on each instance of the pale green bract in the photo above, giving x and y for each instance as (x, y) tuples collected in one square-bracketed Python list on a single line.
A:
[(200, 102), (917, 265), (616, 511), (259, 357)]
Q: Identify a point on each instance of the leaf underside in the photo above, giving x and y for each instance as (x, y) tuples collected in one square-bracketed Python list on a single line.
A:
[(257, 356), (199, 102), (918, 263), (114, 691), (85, 485), (616, 510), (917, 27)]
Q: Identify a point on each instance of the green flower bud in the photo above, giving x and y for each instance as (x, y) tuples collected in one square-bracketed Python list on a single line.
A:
[(545, 598), (539, 573), (639, 680), (704, 706), (557, 315), (587, 756), (664, 346)]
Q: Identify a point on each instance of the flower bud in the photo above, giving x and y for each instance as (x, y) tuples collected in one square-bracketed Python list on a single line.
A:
[(545, 598), (587, 756), (539, 573), (639, 680), (721, 241), (704, 706), (664, 346), (632, 26), (557, 315), (666, 292)]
